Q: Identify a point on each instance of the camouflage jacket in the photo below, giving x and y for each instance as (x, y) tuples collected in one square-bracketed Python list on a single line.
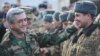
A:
[(31, 44), (87, 44)]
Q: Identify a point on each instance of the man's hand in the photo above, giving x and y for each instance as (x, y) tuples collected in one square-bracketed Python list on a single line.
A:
[(44, 51)]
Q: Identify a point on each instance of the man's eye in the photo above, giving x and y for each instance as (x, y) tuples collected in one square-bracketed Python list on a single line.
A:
[(76, 15), (20, 21), (25, 19)]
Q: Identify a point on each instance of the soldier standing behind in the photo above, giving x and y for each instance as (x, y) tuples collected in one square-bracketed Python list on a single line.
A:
[(55, 50), (47, 23), (66, 21), (56, 22), (48, 28), (3, 24), (32, 20), (48, 19)]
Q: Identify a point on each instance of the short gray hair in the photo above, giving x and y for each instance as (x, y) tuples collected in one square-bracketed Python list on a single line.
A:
[(12, 12)]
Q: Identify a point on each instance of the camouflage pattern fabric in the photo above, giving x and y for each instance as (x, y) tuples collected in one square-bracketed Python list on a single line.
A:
[(30, 44)]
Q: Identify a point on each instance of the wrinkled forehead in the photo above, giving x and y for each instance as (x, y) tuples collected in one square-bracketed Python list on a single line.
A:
[(20, 16)]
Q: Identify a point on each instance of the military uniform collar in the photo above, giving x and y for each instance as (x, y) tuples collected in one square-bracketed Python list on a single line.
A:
[(89, 30)]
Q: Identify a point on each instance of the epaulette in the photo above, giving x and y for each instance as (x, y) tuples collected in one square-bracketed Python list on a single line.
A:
[(5, 37)]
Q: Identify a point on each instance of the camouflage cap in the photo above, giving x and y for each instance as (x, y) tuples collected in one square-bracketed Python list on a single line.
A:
[(28, 11)]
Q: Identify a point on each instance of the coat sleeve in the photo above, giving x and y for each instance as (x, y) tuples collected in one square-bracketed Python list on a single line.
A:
[(54, 39)]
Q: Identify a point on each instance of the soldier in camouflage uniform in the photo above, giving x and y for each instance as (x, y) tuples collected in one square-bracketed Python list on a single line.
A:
[(47, 23), (45, 13), (48, 28), (64, 21), (70, 18), (32, 20), (55, 50), (3, 24), (56, 22), (48, 20), (85, 42), (28, 11), (20, 43)]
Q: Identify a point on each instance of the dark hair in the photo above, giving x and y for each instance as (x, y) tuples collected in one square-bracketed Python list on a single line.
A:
[(43, 6)]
